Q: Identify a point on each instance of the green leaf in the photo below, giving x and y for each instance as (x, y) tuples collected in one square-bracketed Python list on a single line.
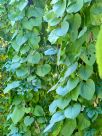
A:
[(59, 8), (58, 116), (68, 72), (50, 51), (35, 12), (85, 1), (22, 4), (15, 15), (85, 72), (34, 58), (22, 72), (38, 111), (54, 1), (17, 114), (68, 127), (61, 90), (74, 6), (63, 102), (53, 36), (14, 66), (90, 132), (24, 49), (28, 120), (56, 33), (75, 22), (20, 40), (71, 84), (72, 111), (48, 127), (63, 30), (51, 18), (83, 123), (41, 120), (88, 55), (17, 100), (75, 92), (28, 110), (43, 70), (11, 86), (11, 2), (60, 103), (96, 14), (82, 32), (56, 129), (34, 39), (71, 69), (29, 24), (87, 89)]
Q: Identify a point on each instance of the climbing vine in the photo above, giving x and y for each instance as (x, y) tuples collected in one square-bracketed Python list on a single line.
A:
[(51, 84)]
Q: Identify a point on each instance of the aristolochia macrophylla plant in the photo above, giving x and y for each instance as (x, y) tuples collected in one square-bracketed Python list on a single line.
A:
[(52, 82)]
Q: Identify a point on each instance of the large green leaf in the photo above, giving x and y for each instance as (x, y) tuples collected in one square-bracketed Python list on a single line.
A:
[(34, 58), (38, 111), (22, 72), (60, 103), (24, 49), (43, 70), (48, 127), (17, 114), (28, 120), (85, 72), (71, 84), (69, 127), (96, 14), (88, 55), (20, 40), (72, 111), (56, 33), (82, 32), (35, 12), (58, 116), (22, 4), (29, 24), (72, 68), (75, 92), (51, 18), (75, 22), (74, 6), (83, 123), (56, 129), (34, 39), (11, 86), (59, 7), (87, 89), (50, 51), (54, 1)]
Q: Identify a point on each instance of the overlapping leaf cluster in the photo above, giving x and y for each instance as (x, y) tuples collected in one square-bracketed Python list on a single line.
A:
[(52, 65)]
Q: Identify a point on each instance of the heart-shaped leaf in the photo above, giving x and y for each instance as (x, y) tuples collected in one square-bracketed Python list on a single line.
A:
[(72, 111), (87, 89)]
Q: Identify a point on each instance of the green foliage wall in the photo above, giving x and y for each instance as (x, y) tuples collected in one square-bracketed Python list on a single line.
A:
[(52, 80)]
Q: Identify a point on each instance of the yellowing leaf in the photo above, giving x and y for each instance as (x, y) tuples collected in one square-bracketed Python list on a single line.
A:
[(99, 52)]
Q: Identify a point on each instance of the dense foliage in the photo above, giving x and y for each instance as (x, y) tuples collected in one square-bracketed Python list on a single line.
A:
[(49, 79)]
